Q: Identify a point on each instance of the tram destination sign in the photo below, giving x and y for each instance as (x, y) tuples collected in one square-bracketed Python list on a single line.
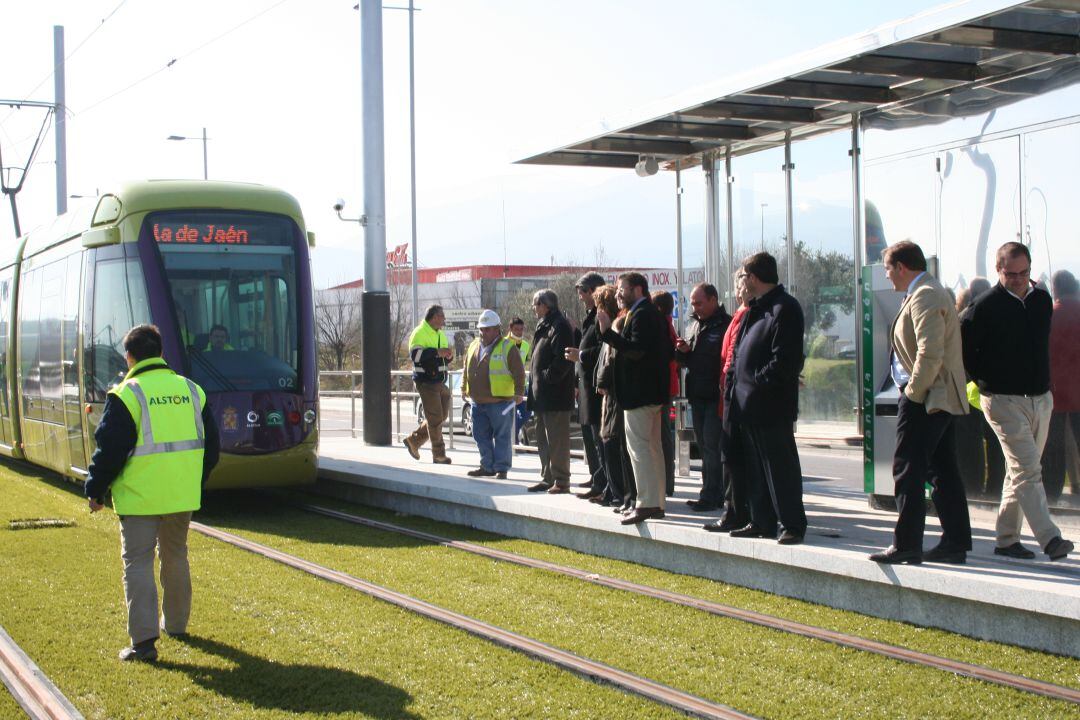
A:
[(201, 234)]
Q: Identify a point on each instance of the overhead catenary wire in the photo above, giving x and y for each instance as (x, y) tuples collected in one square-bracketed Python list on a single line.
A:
[(66, 58), (177, 59)]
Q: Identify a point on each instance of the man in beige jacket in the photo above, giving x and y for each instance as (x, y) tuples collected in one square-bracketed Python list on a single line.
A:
[(927, 366)]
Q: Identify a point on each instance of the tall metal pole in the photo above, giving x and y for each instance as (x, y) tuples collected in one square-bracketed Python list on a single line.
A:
[(412, 162), (789, 210), (61, 120), (205, 173), (712, 221), (375, 301)]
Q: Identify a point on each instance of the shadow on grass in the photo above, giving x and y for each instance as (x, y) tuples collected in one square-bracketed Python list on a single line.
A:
[(289, 687), (254, 511)]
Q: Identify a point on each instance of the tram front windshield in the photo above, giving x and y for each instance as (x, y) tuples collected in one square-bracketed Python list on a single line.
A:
[(232, 277)]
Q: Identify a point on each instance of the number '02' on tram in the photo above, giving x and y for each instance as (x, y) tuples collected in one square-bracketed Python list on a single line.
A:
[(221, 268)]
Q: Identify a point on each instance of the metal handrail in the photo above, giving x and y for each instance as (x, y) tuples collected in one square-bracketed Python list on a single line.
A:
[(397, 396)]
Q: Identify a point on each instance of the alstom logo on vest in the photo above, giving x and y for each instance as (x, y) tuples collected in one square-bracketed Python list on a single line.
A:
[(170, 400)]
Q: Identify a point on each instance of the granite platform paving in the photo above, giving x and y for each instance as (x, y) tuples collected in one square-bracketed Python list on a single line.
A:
[(1031, 603)]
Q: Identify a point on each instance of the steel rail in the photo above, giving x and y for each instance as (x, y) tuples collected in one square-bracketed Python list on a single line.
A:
[(39, 698), (978, 672), (590, 669)]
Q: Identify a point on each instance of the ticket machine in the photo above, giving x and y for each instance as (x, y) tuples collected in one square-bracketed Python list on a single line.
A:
[(880, 304)]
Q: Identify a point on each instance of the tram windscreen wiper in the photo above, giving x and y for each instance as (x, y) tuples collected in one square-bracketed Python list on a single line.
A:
[(214, 373)]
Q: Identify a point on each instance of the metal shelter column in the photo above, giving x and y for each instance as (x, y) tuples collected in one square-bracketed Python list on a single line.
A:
[(864, 408), (375, 302), (712, 221), (729, 283), (678, 245), (789, 172)]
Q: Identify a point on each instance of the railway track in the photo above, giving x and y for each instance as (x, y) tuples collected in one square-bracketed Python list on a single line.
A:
[(690, 704), (39, 698), (895, 652)]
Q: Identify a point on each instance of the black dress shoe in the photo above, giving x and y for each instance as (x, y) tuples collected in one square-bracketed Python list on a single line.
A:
[(790, 538), (945, 555), (587, 483), (699, 506), (140, 652), (481, 472), (751, 531), (1016, 550), (1058, 548), (589, 495), (892, 556), (501, 475), (642, 514), (540, 487)]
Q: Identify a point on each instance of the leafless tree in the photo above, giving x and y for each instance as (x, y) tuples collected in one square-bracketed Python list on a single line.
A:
[(337, 326)]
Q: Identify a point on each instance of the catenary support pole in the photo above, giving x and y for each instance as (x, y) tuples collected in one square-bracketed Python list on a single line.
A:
[(60, 131), (412, 161), (712, 221), (375, 302)]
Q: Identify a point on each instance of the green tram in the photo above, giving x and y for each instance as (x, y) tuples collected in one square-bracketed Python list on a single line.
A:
[(221, 268)]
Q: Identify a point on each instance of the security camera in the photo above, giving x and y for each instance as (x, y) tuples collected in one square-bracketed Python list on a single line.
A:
[(646, 166), (339, 205)]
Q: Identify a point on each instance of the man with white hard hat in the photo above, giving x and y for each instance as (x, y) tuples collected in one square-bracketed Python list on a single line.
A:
[(493, 383)]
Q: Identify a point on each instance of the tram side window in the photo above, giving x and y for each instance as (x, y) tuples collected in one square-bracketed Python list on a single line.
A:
[(71, 320), (29, 332), (120, 303), (5, 327)]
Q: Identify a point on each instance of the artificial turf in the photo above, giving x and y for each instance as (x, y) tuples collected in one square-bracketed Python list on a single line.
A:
[(267, 641), (757, 670)]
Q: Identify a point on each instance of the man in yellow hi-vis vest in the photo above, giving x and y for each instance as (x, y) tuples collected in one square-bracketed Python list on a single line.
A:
[(493, 382), (156, 445), (431, 354)]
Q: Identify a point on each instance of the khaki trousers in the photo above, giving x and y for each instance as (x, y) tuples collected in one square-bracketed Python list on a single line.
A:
[(1022, 424), (139, 535), (437, 403), (553, 446), (646, 454)]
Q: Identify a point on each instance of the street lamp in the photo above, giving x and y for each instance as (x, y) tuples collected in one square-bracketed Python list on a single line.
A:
[(763, 206), (205, 175)]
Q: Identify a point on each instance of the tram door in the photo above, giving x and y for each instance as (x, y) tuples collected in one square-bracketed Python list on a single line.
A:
[(73, 406), (7, 437)]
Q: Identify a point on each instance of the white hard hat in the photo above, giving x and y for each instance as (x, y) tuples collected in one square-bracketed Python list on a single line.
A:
[(488, 318)]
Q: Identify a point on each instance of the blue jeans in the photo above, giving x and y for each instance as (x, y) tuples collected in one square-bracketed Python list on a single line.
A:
[(493, 430), (523, 414)]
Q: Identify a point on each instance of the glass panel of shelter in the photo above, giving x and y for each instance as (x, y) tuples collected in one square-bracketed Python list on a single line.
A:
[(963, 202)]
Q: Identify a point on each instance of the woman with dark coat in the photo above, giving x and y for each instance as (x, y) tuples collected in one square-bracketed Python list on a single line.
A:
[(621, 491)]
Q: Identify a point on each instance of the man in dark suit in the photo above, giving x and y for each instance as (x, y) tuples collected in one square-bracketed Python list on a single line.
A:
[(551, 392), (641, 384), (762, 404), (585, 356), (928, 368)]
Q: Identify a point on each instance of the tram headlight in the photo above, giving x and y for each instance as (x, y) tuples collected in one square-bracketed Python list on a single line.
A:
[(309, 417)]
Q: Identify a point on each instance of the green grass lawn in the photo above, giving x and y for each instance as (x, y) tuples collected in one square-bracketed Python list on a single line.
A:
[(269, 642), (1050, 668), (760, 671)]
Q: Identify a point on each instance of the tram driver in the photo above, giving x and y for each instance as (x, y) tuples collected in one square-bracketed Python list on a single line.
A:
[(219, 339)]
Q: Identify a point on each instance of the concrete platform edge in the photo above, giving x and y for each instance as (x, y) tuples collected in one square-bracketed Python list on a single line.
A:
[(1012, 625)]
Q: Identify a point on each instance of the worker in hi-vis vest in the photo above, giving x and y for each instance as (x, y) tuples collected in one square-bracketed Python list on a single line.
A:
[(521, 412), (430, 353), (493, 383), (156, 445)]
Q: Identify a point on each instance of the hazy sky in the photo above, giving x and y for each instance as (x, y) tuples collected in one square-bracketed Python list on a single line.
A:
[(277, 85)]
